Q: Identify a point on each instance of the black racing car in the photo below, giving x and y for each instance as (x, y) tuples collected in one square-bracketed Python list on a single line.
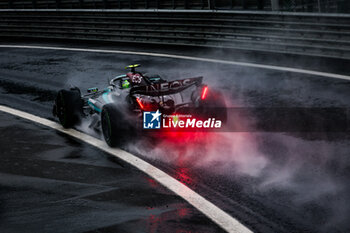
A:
[(118, 108)]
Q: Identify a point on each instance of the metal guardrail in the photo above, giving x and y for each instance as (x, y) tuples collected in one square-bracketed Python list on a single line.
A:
[(324, 6), (288, 33)]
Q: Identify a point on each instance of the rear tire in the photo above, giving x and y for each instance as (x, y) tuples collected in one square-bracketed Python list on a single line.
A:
[(214, 106), (69, 107), (116, 128)]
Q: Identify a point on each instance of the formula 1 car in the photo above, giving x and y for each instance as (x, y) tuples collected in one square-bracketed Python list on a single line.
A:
[(118, 108)]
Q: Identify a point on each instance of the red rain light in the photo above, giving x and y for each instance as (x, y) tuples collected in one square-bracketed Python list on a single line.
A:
[(204, 93), (139, 102)]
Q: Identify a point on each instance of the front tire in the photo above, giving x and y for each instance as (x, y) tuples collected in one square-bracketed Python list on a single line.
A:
[(69, 107)]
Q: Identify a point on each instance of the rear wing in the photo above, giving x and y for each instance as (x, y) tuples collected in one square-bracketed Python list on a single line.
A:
[(166, 88)]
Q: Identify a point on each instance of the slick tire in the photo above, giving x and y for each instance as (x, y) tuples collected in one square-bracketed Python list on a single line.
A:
[(69, 107), (116, 129), (214, 106)]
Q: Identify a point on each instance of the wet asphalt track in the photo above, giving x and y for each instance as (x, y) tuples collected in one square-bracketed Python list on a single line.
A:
[(52, 183), (272, 182)]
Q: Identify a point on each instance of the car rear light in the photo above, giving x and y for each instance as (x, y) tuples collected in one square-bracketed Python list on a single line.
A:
[(204, 92), (140, 103)]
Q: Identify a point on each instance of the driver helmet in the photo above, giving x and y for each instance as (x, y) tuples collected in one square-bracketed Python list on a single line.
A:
[(125, 84)]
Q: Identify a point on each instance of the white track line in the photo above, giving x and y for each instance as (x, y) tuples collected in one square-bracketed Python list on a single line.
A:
[(224, 220), (254, 65)]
